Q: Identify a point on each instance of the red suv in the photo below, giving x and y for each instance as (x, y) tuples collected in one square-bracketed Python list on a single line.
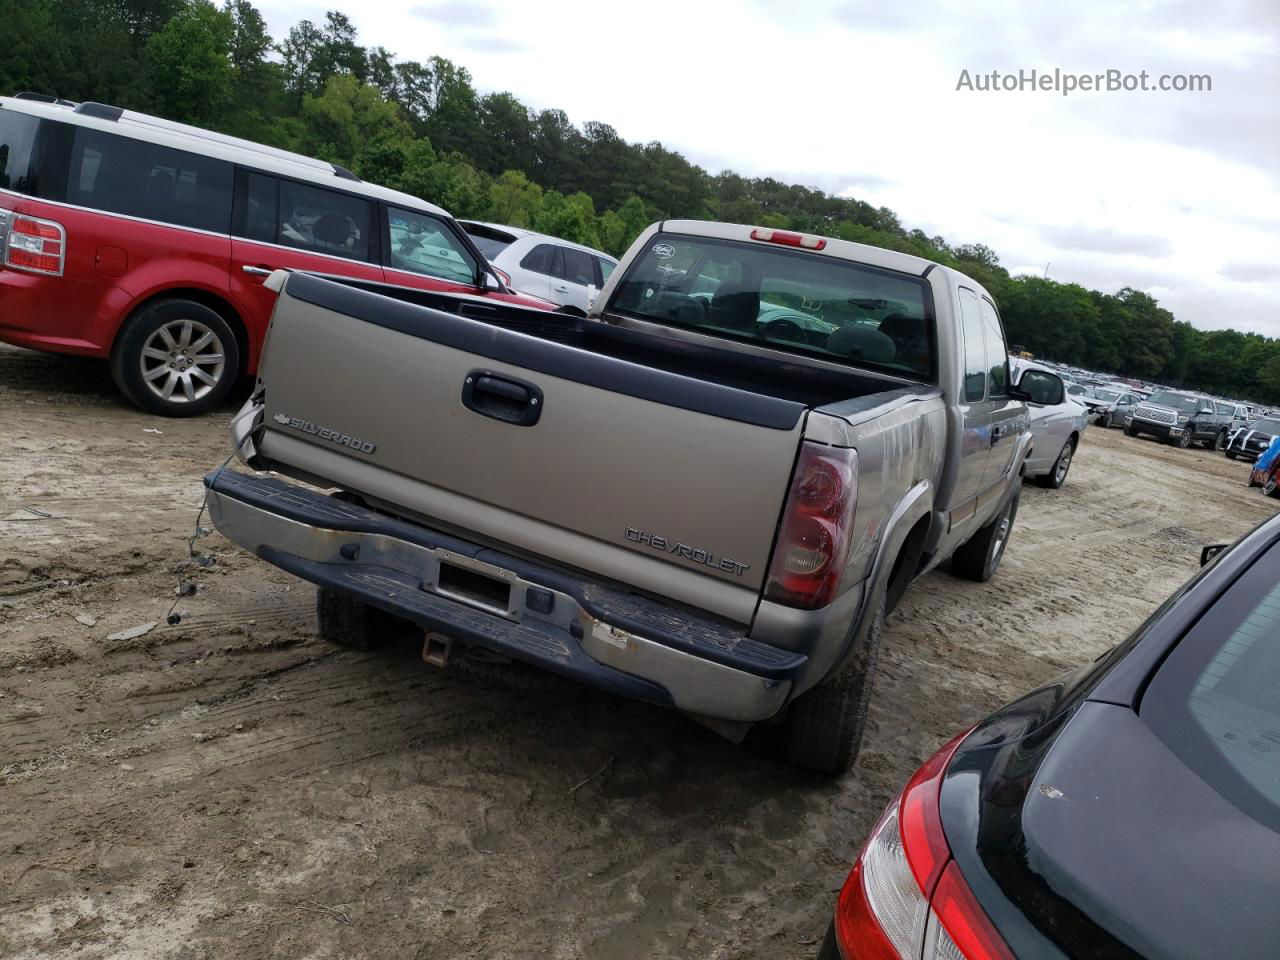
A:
[(132, 238)]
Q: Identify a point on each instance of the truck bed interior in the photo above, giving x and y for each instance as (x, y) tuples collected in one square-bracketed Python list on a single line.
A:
[(798, 382)]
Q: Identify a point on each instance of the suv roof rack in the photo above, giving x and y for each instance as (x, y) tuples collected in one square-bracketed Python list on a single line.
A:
[(43, 98), (102, 111), (344, 173)]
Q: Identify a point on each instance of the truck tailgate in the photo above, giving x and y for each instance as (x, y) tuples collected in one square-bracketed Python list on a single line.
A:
[(658, 480)]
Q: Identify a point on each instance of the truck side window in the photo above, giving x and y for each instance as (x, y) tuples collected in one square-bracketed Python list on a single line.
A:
[(997, 352), (975, 353)]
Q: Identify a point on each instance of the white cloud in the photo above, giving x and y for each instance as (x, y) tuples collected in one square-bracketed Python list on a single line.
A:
[(1162, 191)]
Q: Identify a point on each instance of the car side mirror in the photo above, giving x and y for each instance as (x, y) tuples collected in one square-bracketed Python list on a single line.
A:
[(1211, 551), (489, 283), (1017, 393)]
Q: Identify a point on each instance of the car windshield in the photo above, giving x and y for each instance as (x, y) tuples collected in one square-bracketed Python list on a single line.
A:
[(1266, 425), (1102, 393), (785, 299), (1178, 401), (1213, 701)]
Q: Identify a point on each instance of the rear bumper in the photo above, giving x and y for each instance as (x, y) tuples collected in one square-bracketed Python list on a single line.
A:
[(56, 314), (575, 627)]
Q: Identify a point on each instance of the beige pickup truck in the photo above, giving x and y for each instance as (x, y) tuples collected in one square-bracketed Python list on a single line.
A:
[(706, 494)]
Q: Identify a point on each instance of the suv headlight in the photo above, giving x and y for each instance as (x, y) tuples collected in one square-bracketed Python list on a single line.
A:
[(1182, 419)]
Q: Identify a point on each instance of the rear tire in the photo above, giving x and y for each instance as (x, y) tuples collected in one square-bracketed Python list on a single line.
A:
[(1105, 421), (1056, 477), (1271, 485), (979, 559), (1220, 441), (351, 623), (175, 358), (824, 726)]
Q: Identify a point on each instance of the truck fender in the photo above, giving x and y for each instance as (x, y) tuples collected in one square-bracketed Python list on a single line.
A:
[(915, 504)]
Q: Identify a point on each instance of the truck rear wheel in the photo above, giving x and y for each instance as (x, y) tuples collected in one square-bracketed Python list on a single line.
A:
[(980, 558), (350, 623), (824, 726), (175, 358)]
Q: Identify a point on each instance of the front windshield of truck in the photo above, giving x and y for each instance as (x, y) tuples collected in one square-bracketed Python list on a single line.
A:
[(1266, 425), (1178, 401), (785, 299)]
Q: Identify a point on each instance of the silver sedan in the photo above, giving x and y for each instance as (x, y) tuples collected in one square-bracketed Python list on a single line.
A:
[(1058, 421)]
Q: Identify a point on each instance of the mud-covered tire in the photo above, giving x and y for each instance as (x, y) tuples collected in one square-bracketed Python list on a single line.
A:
[(351, 623), (1183, 440), (1271, 485), (824, 726), (1219, 441), (141, 373), (1104, 421), (1057, 476), (979, 559), (1130, 431), (1231, 455)]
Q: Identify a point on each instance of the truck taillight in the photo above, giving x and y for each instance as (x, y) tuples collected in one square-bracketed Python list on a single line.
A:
[(38, 246), (789, 239), (817, 522), (906, 898)]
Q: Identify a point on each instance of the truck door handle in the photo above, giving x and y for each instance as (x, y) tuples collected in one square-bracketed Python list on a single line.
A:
[(561, 289), (256, 271), (502, 398)]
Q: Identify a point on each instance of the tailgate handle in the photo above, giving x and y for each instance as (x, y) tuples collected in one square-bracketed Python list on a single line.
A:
[(502, 398)]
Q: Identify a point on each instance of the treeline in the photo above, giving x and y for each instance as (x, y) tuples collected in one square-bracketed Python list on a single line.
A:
[(421, 126)]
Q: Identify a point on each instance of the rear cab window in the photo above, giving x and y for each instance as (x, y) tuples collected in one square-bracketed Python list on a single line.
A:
[(1213, 701), (822, 306)]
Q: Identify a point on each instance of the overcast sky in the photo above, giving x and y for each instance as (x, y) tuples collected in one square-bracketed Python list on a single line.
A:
[(1174, 193)]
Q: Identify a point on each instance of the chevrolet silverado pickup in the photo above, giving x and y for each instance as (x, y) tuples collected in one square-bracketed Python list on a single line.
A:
[(706, 494)]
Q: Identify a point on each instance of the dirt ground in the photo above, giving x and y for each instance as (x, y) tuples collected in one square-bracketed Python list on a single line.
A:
[(231, 786)]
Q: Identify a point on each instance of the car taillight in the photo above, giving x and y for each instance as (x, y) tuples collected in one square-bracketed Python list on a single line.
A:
[(905, 898), (817, 522), (39, 246), (785, 237)]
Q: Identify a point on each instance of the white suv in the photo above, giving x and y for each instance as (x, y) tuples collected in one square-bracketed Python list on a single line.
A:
[(565, 273)]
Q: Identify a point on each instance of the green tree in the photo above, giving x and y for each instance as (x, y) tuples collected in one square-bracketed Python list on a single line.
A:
[(351, 125), (514, 200), (189, 63)]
